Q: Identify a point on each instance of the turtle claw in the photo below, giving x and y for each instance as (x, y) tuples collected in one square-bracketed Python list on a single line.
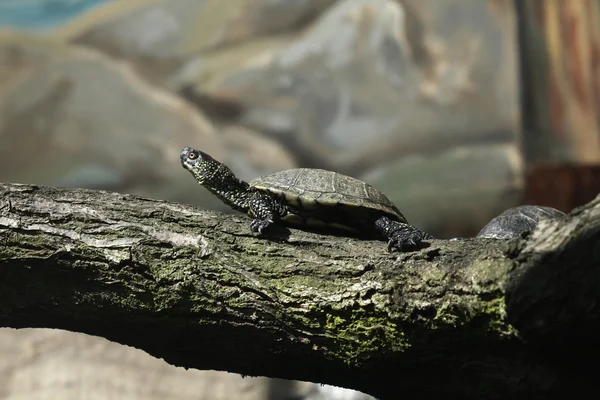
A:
[(406, 239), (259, 225)]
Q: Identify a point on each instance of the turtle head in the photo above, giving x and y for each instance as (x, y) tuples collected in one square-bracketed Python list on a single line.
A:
[(202, 166), (217, 178)]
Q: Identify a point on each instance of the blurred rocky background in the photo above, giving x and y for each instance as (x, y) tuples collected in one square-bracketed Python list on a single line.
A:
[(457, 109)]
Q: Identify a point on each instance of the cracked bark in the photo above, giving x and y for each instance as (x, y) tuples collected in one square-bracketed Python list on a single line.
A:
[(470, 318)]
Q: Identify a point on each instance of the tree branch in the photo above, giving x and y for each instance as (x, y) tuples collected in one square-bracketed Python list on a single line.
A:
[(196, 288)]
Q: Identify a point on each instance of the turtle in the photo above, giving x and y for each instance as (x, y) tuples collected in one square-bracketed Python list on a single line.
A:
[(310, 198), (518, 220)]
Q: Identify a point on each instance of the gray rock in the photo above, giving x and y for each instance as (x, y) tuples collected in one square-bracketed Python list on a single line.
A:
[(456, 192), (373, 80), (251, 154)]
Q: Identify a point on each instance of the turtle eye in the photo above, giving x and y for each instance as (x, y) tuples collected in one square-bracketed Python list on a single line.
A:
[(192, 155)]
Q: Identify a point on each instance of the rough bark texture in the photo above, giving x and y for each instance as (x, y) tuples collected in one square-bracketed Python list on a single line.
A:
[(198, 289)]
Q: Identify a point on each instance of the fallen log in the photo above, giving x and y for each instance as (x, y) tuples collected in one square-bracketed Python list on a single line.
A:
[(468, 318)]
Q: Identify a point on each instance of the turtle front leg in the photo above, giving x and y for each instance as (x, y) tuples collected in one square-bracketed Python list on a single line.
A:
[(265, 210), (401, 236)]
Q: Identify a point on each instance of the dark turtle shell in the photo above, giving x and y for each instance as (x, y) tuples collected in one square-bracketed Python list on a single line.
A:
[(323, 198), (517, 220)]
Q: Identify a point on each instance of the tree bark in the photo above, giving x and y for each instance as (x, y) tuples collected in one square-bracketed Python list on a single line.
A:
[(468, 318), (560, 89)]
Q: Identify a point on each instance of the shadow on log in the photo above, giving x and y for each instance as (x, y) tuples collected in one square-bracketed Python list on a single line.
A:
[(196, 288)]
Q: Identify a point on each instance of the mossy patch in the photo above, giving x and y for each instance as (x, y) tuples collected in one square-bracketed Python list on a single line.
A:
[(357, 336)]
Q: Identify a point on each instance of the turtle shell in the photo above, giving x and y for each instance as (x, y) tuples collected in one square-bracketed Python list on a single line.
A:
[(327, 199), (517, 220)]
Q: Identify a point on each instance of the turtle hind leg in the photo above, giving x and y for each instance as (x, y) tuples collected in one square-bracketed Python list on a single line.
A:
[(401, 236), (265, 210)]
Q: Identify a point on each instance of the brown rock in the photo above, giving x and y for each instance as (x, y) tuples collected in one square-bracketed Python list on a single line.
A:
[(73, 117), (53, 364), (158, 35)]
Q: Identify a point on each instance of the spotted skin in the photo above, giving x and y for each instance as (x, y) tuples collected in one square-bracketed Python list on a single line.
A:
[(217, 178), (401, 237), (265, 210), (304, 197)]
